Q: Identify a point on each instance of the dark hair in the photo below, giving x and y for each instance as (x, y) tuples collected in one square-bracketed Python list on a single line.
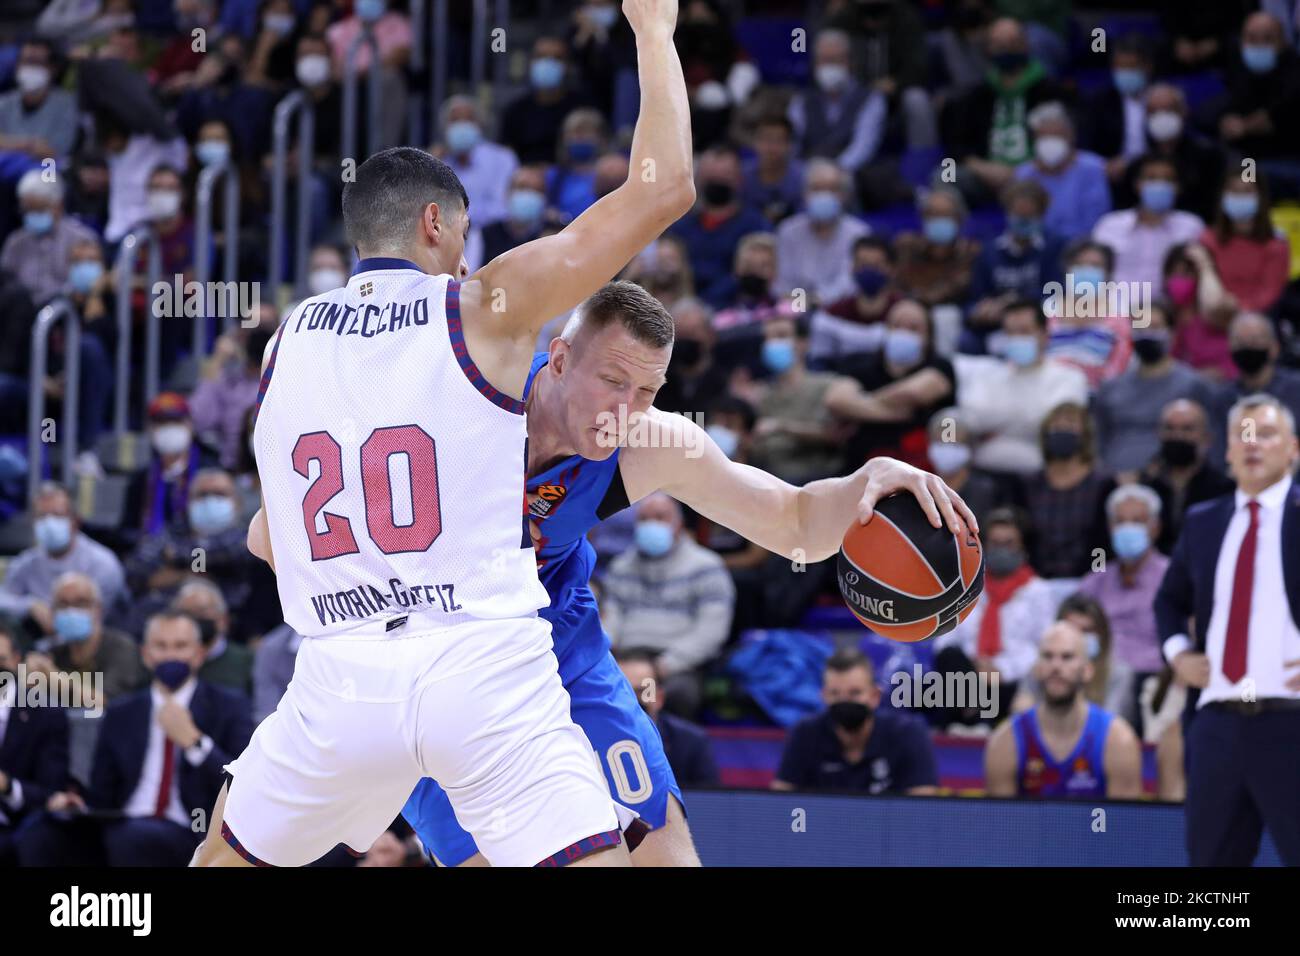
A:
[(846, 658), (775, 119), (1134, 43), (1009, 515), (1177, 254), (171, 614), (1153, 159), (635, 655), (1018, 305), (640, 313), (874, 242), (1087, 436), (1261, 227), (735, 405), (1029, 189), (382, 204), (1080, 246)]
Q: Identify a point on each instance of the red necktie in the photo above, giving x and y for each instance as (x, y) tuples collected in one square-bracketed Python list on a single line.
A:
[(1243, 583), (165, 786)]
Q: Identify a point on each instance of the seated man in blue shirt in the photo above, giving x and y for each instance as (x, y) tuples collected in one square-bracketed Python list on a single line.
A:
[(852, 745)]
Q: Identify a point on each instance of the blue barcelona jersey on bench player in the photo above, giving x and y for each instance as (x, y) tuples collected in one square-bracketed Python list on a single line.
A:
[(566, 501)]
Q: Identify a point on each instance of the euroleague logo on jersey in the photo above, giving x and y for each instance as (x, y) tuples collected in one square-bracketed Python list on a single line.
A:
[(547, 497)]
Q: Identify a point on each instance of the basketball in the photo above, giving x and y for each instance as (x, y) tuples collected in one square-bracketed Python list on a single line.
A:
[(906, 579)]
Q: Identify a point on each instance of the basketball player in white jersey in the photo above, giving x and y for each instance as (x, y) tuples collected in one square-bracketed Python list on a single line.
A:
[(390, 442)]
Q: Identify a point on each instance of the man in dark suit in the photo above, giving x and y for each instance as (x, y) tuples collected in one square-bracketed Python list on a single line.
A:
[(1235, 573), (33, 751), (686, 745), (158, 760)]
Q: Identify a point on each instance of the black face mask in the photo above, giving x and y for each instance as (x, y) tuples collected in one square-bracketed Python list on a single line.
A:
[(1177, 452), (753, 286), (1061, 444), (1002, 561), (1150, 348), (850, 714), (717, 193), (687, 351), (1250, 361), (1009, 62)]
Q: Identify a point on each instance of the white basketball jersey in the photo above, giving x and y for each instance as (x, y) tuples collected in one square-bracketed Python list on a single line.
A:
[(392, 472)]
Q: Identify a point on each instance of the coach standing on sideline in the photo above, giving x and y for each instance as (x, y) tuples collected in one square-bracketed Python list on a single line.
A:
[(1236, 573)]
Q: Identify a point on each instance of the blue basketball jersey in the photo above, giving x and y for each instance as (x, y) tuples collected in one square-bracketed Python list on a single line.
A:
[(566, 501), (1081, 774)]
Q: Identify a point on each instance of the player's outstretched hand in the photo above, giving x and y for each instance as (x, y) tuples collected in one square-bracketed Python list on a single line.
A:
[(941, 504), (644, 14)]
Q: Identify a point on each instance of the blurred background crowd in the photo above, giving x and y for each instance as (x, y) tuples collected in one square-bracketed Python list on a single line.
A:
[(887, 191)]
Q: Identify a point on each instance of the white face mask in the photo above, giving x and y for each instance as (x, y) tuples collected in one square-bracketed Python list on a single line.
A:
[(163, 203), (726, 440), (831, 77), (171, 439), (1051, 150), (32, 78), (323, 280), (313, 69), (1164, 125)]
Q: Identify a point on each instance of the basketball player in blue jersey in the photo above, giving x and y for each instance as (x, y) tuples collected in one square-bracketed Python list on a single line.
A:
[(597, 445), (390, 441), (1064, 746)]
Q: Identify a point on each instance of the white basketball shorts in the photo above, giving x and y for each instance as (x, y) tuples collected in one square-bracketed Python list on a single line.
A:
[(479, 707)]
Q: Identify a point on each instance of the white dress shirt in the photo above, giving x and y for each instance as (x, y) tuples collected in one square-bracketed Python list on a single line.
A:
[(1272, 636), (144, 800)]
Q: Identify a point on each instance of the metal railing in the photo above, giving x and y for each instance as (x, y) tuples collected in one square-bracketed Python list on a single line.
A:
[(374, 97), (66, 435), (125, 266), (203, 243), (299, 102)]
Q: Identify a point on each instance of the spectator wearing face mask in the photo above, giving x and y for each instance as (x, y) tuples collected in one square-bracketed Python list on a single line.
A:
[(327, 269), (935, 266), (82, 643), (774, 175), (314, 72), (158, 760), (855, 323), (1169, 134), (855, 745), (1140, 237), (60, 547), (814, 247), (1127, 408), (730, 423), (1000, 636), (664, 270), (525, 214), (1202, 309), (839, 119), (485, 167), (1251, 258), (796, 437), (1090, 323), (173, 71), (750, 296), (1066, 499), (226, 90), (38, 253), (950, 455), (1075, 179), (225, 663), (38, 118), (891, 394), (1126, 586), (1263, 82), (1255, 349), (159, 494), (571, 181), (1180, 473), (694, 380), (272, 57), (531, 123), (1113, 120), (1004, 397), (603, 45), (672, 597), (713, 230), (1018, 264), (687, 746)]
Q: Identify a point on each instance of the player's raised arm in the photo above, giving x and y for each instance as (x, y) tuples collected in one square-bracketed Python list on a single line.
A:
[(806, 523), (547, 277)]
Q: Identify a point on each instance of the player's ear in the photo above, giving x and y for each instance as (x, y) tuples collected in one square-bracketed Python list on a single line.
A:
[(559, 355), (431, 220)]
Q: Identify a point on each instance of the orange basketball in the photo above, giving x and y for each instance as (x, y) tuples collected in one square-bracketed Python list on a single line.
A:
[(906, 579)]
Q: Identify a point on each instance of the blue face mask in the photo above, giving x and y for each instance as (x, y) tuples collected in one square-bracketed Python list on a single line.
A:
[(1157, 195), (1128, 80), (1087, 277), (212, 152), (603, 17), (1023, 228), (172, 674), (870, 281), (940, 229), (370, 10), (1259, 59), (73, 624), (53, 533), (546, 73), (1021, 350), (778, 354), (582, 152), (1130, 540), (526, 205), (903, 347), (462, 136), (726, 440), (38, 222), (1240, 206), (83, 275), (211, 513), (823, 206), (653, 538)]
